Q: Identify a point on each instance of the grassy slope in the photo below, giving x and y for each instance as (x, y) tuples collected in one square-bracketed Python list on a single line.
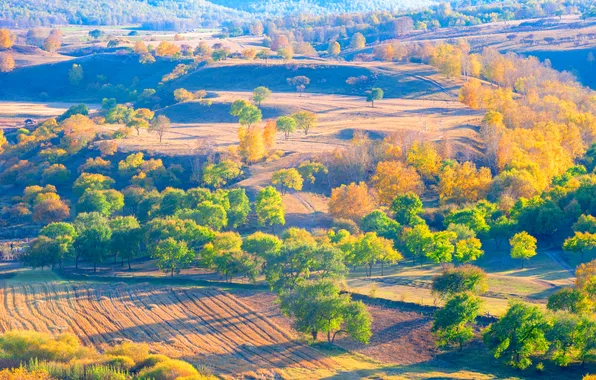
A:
[(28, 83), (324, 78)]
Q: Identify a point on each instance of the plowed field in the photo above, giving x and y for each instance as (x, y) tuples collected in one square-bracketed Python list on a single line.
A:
[(207, 327)]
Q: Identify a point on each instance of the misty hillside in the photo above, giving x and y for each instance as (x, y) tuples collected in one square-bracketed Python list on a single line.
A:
[(185, 13)]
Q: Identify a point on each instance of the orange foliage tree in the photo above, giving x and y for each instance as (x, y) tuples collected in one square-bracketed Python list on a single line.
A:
[(352, 201), (393, 178)]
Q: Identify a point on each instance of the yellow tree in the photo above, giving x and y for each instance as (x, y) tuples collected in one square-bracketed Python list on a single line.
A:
[(269, 134), (252, 147), (5, 39), (393, 178), (461, 183), (352, 201), (6, 63), (425, 158)]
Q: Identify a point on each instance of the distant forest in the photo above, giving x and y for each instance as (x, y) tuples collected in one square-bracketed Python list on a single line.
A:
[(187, 14)]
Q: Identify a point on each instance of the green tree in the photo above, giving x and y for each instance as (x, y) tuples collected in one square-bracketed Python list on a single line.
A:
[(406, 208), (126, 238), (305, 120), (309, 170), (260, 94), (379, 223), (287, 179), (501, 229), (42, 252), (287, 125), (93, 238), (239, 207), (95, 33), (225, 255), (518, 335), (186, 230), (218, 175), (75, 74), (370, 249), (418, 241), (458, 280), (269, 207), (64, 234), (571, 300), (173, 255), (453, 324), (172, 200), (262, 244), (106, 202), (206, 214), (247, 114), (318, 307), (376, 94), (442, 248), (92, 181), (580, 242), (565, 338), (523, 246)]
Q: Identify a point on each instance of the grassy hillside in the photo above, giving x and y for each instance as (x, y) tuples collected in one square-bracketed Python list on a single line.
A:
[(321, 6), (574, 61), (105, 75), (325, 79)]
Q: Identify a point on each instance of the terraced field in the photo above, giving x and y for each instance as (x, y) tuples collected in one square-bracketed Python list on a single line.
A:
[(207, 327)]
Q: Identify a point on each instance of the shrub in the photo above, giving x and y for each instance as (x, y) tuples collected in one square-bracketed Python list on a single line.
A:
[(119, 361), (169, 370), (27, 345), (23, 374), (152, 360), (136, 351)]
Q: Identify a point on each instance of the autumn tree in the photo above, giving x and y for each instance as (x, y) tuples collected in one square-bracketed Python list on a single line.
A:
[(7, 63), (269, 134), (352, 201), (166, 49), (260, 94), (425, 157), (305, 120), (375, 94), (5, 39), (299, 82), (251, 144), (523, 246), (334, 48), (50, 210), (269, 208), (249, 53), (140, 48), (462, 183), (287, 179), (358, 41), (393, 178), (160, 125), (52, 43), (286, 124)]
